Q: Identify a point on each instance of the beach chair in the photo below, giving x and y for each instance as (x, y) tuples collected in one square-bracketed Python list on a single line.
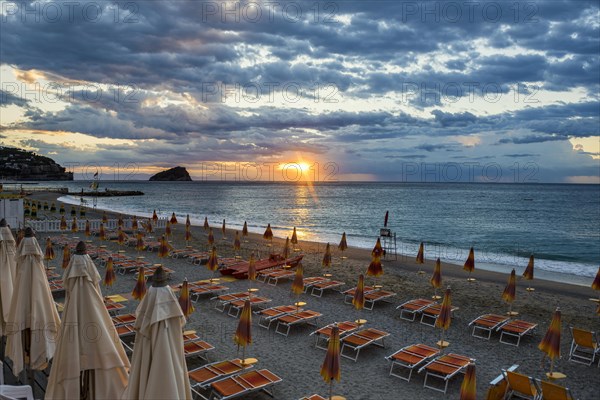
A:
[(225, 299), (320, 287), (296, 318), (202, 377), (356, 341), (444, 367), (552, 391), (520, 385), (312, 280), (113, 308), (16, 392), (125, 331), (410, 309), (375, 296), (198, 291), (323, 334), (584, 346), (498, 385), (274, 277), (410, 357), (235, 307), (516, 329), (123, 319), (244, 384), (197, 348), (349, 294), (485, 324), (268, 315), (430, 314)]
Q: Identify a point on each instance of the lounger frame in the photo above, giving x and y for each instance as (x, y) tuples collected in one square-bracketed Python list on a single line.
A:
[(365, 338)]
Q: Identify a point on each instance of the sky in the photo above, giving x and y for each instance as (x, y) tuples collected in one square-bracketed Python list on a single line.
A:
[(486, 91)]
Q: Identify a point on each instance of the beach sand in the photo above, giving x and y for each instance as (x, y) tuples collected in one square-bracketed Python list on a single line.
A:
[(297, 361)]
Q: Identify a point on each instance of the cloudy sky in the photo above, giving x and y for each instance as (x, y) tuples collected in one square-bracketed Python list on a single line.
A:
[(356, 90)]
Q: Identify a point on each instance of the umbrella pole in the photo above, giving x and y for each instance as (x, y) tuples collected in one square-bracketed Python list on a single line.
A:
[(330, 388), (243, 358)]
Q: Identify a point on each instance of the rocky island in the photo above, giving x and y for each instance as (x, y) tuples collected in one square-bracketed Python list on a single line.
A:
[(177, 174), (23, 165)]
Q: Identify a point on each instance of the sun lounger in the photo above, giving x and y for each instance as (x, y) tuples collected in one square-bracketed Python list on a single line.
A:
[(410, 309), (313, 397), (244, 384), (235, 307), (410, 357), (296, 318), (123, 319), (273, 277), (268, 315), (225, 299), (485, 324), (197, 348), (198, 258), (149, 272), (498, 385), (444, 367), (323, 334), (516, 328), (113, 308), (430, 314), (312, 280), (197, 291), (56, 287), (320, 287), (552, 391), (584, 346), (125, 330), (202, 377), (349, 294), (358, 340), (520, 385), (182, 253), (375, 296)]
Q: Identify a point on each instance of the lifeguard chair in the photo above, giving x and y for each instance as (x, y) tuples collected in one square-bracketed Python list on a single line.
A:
[(388, 240)]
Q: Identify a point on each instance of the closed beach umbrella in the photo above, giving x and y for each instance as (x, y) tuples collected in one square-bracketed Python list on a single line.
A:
[(378, 249), (375, 267), (243, 333), (326, 263), (88, 230), (134, 223), (298, 283), (139, 291), (102, 232), (251, 268), (104, 218), (158, 366), (268, 235), (188, 234), (223, 228), (49, 251), (294, 239), (550, 344), (470, 264), (63, 223), (33, 317), (211, 237), (184, 299), (149, 227), (358, 300), (173, 219), (510, 290), (8, 272), (163, 248), (468, 389), (436, 278), (206, 225), (343, 244), (443, 320), (109, 276), (420, 255), (61, 210), (120, 222), (236, 242), (154, 217), (286, 248), (596, 283), (187, 220), (213, 262), (139, 243), (85, 365), (66, 256), (245, 229), (74, 227), (331, 367), (168, 229), (120, 236)]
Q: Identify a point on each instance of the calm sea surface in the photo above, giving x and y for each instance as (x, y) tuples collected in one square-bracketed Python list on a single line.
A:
[(559, 224)]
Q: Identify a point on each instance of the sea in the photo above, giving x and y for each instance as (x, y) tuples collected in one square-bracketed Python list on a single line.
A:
[(505, 223)]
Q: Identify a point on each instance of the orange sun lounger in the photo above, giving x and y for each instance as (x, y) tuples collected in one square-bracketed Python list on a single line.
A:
[(516, 329), (244, 384), (297, 318), (235, 307), (444, 367), (226, 299), (268, 315), (197, 348), (202, 290), (320, 287), (202, 377), (358, 340), (486, 324), (410, 357), (430, 314), (349, 294), (375, 296), (323, 334), (410, 309)]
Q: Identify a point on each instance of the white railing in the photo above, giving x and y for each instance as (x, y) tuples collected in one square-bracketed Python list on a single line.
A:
[(54, 224)]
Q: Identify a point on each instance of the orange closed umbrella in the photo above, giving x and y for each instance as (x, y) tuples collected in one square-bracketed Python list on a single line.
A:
[(510, 290), (120, 236), (550, 344), (294, 239), (168, 229), (377, 250), (243, 333), (211, 237), (139, 243), (223, 229), (421, 254), (528, 273), (206, 226), (298, 283), (66, 257), (187, 220), (154, 217), (213, 262), (88, 231), (331, 367), (268, 235), (286, 248), (596, 283), (470, 264), (173, 219), (149, 228), (443, 320), (184, 299), (251, 268), (326, 263), (102, 232), (188, 234), (139, 291), (163, 248), (109, 276), (104, 218), (74, 228), (436, 278), (358, 300), (343, 245), (468, 389), (375, 267), (237, 245), (63, 223), (49, 252), (245, 229)]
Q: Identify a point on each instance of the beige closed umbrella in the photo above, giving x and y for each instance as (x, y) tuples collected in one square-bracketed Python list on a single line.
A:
[(7, 272), (33, 317), (88, 363), (158, 367)]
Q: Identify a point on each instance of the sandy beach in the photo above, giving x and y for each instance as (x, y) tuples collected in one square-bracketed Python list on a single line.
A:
[(297, 361)]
